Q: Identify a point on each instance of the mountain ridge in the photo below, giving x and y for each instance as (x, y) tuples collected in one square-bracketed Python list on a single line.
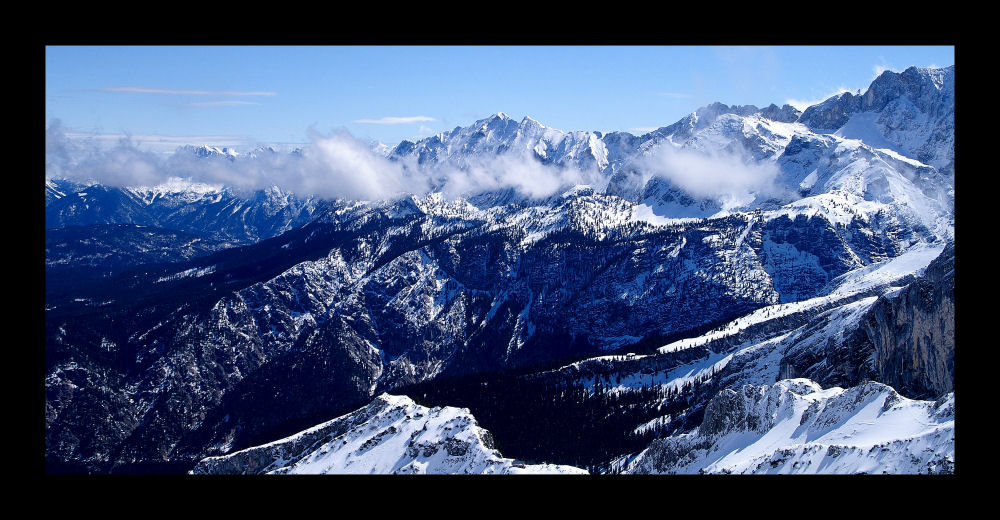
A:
[(328, 303)]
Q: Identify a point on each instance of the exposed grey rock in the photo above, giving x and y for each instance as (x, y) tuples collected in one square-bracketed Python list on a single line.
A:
[(724, 413), (751, 431), (916, 110), (913, 332), (905, 339)]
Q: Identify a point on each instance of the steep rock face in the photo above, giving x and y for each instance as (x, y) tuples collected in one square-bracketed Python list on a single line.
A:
[(821, 338), (913, 332), (904, 338), (390, 435), (783, 114), (796, 426), (803, 255)]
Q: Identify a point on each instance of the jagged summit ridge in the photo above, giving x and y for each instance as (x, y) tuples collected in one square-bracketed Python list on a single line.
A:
[(913, 111), (392, 435), (795, 426)]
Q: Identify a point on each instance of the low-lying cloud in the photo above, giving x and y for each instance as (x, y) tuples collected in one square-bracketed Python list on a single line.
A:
[(330, 166), (728, 177), (521, 172)]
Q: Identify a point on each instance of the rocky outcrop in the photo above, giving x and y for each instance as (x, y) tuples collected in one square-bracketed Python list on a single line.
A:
[(913, 332), (904, 338), (724, 413), (915, 110), (795, 426), (783, 114), (390, 435)]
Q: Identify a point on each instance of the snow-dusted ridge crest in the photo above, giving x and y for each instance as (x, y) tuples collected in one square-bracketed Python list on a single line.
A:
[(391, 435), (795, 426), (899, 133)]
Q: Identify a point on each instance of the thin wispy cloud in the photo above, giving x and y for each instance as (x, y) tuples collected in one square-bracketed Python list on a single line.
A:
[(881, 67), (160, 144), (802, 104), (219, 103), (395, 120), (643, 129), (214, 140), (179, 92), (678, 95)]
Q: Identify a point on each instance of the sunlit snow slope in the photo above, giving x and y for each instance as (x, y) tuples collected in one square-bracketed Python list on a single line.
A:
[(391, 435), (795, 426)]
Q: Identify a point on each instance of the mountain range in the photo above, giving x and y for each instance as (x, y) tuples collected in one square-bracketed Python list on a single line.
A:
[(764, 280)]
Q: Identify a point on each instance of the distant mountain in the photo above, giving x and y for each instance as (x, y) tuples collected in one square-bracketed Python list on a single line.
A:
[(210, 151), (212, 212), (890, 144), (499, 134), (912, 112)]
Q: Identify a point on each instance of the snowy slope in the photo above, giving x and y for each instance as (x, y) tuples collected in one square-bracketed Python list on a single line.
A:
[(391, 435), (499, 134), (911, 112), (795, 426), (827, 338)]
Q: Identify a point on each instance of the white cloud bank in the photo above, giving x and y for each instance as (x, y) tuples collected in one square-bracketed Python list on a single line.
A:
[(525, 174), (730, 178), (330, 166), (340, 166)]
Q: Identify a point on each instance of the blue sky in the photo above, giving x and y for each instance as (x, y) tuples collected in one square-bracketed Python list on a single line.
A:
[(241, 96)]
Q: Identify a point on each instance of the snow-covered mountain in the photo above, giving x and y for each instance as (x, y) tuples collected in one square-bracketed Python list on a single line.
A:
[(819, 263), (499, 134), (884, 155), (392, 435), (795, 426), (214, 212), (912, 113)]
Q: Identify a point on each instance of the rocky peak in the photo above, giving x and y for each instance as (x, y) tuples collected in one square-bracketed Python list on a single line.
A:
[(931, 91), (392, 434), (785, 114)]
